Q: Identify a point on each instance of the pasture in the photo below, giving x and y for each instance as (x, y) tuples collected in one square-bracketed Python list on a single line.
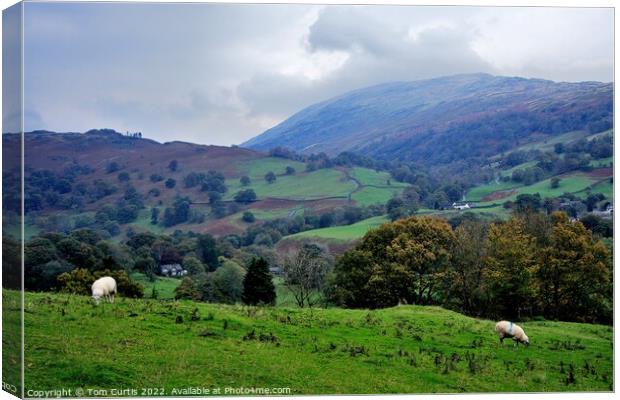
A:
[(407, 349), (504, 191), (301, 186), (342, 233), (164, 286)]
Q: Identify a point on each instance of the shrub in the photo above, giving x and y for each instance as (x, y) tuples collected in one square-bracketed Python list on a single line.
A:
[(156, 178), (248, 217), (245, 196), (187, 290), (123, 177), (270, 177)]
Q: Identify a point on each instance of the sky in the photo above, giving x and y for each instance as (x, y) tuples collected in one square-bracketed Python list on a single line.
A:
[(222, 74)]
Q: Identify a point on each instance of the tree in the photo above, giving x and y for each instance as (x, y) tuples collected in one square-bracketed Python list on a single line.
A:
[(206, 249), (173, 165), (214, 182), (351, 281), (555, 183), (258, 286), (509, 270), (193, 265), (592, 199), (187, 289), (245, 180), (126, 214), (154, 216), (147, 265), (270, 177), (527, 203), (411, 199), (396, 208), (248, 217), (181, 210), (464, 280), (79, 254), (290, 170), (224, 285), (123, 177), (141, 239), (86, 235), (112, 167), (245, 196), (575, 274), (156, 178), (170, 183), (304, 273), (402, 261), (420, 255), (193, 179), (598, 226)]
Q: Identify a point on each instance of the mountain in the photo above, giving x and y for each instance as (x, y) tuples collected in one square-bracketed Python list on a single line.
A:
[(442, 120)]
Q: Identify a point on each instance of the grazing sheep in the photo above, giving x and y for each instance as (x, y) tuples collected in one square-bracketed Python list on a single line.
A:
[(104, 287), (508, 329)]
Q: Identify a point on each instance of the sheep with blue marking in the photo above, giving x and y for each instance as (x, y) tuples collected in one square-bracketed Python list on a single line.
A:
[(508, 329), (104, 287)]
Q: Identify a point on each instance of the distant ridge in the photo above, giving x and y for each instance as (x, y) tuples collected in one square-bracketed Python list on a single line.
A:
[(423, 120)]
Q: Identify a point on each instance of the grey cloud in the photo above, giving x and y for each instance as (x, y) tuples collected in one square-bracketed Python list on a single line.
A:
[(378, 52), (224, 73)]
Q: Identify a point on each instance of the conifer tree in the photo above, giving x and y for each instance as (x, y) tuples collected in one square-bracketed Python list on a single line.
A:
[(258, 285)]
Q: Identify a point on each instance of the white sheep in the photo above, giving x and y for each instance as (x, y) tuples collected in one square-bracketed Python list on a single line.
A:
[(508, 329), (104, 287)]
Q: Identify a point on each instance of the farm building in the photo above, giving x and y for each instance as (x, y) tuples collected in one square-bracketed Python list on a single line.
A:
[(461, 207), (172, 270)]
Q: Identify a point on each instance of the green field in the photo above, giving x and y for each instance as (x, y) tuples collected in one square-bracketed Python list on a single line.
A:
[(548, 144), (568, 184), (572, 183), (484, 212), (479, 192), (301, 186), (602, 163), (164, 286), (143, 222), (342, 233), (509, 171), (322, 183), (72, 343), (257, 169), (371, 177), (371, 195), (605, 187)]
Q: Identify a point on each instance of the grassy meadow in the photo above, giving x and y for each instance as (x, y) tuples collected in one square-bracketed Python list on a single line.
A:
[(406, 349), (164, 286), (342, 233)]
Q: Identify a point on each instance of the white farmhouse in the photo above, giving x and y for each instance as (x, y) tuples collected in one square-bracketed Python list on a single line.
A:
[(461, 207)]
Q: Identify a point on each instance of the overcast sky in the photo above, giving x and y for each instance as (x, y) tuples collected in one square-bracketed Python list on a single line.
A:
[(221, 74)]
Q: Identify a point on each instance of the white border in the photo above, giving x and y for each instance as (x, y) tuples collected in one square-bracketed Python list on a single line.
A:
[(507, 3)]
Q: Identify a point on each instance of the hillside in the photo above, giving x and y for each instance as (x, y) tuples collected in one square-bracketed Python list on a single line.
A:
[(146, 167), (101, 165), (407, 349), (423, 120)]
